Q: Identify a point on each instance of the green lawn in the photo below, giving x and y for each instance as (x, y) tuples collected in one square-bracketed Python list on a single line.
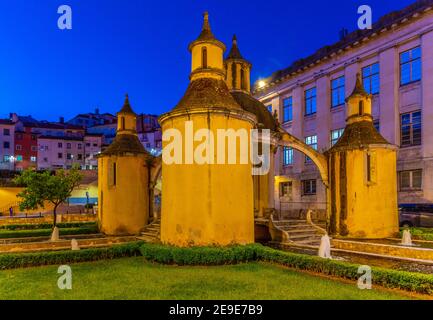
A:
[(133, 278)]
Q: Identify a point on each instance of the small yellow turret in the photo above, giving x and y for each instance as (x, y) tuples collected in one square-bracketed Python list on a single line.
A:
[(237, 69), (359, 103), (207, 54)]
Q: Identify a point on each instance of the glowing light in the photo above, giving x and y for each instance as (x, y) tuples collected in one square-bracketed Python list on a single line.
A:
[(261, 84)]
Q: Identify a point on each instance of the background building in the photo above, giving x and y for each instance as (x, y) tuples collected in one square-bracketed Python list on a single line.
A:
[(7, 132), (395, 59)]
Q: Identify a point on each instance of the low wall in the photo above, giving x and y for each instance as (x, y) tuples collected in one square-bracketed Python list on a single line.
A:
[(384, 249), (49, 219)]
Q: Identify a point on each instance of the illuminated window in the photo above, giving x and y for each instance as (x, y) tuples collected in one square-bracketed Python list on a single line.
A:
[(410, 66), (335, 135), (370, 78), (287, 156), (288, 109), (310, 101), (312, 142), (337, 92), (286, 189)]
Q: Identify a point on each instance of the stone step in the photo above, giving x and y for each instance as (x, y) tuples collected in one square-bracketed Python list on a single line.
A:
[(150, 234), (152, 228), (302, 230), (299, 237), (315, 241), (294, 229)]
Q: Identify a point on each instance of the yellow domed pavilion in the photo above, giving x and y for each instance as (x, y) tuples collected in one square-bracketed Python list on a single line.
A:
[(123, 179), (363, 179), (208, 203)]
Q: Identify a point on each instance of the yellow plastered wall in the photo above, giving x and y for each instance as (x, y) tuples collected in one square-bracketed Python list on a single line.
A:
[(207, 204), (123, 208), (214, 56), (371, 207), (8, 197)]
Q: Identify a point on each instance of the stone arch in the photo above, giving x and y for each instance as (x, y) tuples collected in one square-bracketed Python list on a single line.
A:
[(320, 160), (155, 173)]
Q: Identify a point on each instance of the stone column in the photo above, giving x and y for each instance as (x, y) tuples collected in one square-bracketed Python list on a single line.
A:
[(389, 104)]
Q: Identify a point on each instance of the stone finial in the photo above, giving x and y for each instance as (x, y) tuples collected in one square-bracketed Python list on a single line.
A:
[(126, 106), (359, 88)]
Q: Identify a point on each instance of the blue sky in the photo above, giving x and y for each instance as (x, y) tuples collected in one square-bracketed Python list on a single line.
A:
[(140, 47)]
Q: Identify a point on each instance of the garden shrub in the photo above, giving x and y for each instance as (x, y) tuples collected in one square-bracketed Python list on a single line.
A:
[(417, 282), (32, 226), (47, 232), (20, 260), (198, 255)]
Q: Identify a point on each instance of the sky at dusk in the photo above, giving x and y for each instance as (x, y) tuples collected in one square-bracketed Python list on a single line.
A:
[(140, 47)]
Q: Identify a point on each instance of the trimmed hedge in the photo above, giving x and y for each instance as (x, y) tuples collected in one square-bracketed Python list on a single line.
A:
[(33, 226), (47, 232), (20, 260), (417, 282), (199, 255)]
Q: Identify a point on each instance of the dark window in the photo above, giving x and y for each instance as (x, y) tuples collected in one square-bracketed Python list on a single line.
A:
[(370, 78), (310, 101), (122, 119), (287, 156), (114, 173), (288, 109), (410, 180), (79, 146), (411, 129), (6, 132), (68, 156), (204, 57), (234, 75), (368, 167), (242, 79), (33, 137), (79, 156), (6, 144), (308, 187), (361, 108), (19, 136), (68, 146), (337, 92), (376, 124), (269, 108), (410, 66), (60, 155), (60, 145)]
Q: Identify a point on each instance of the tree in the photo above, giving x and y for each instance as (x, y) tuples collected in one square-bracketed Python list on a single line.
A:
[(44, 186)]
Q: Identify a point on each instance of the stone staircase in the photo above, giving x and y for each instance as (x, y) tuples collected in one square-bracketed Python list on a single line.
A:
[(151, 232), (301, 232)]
